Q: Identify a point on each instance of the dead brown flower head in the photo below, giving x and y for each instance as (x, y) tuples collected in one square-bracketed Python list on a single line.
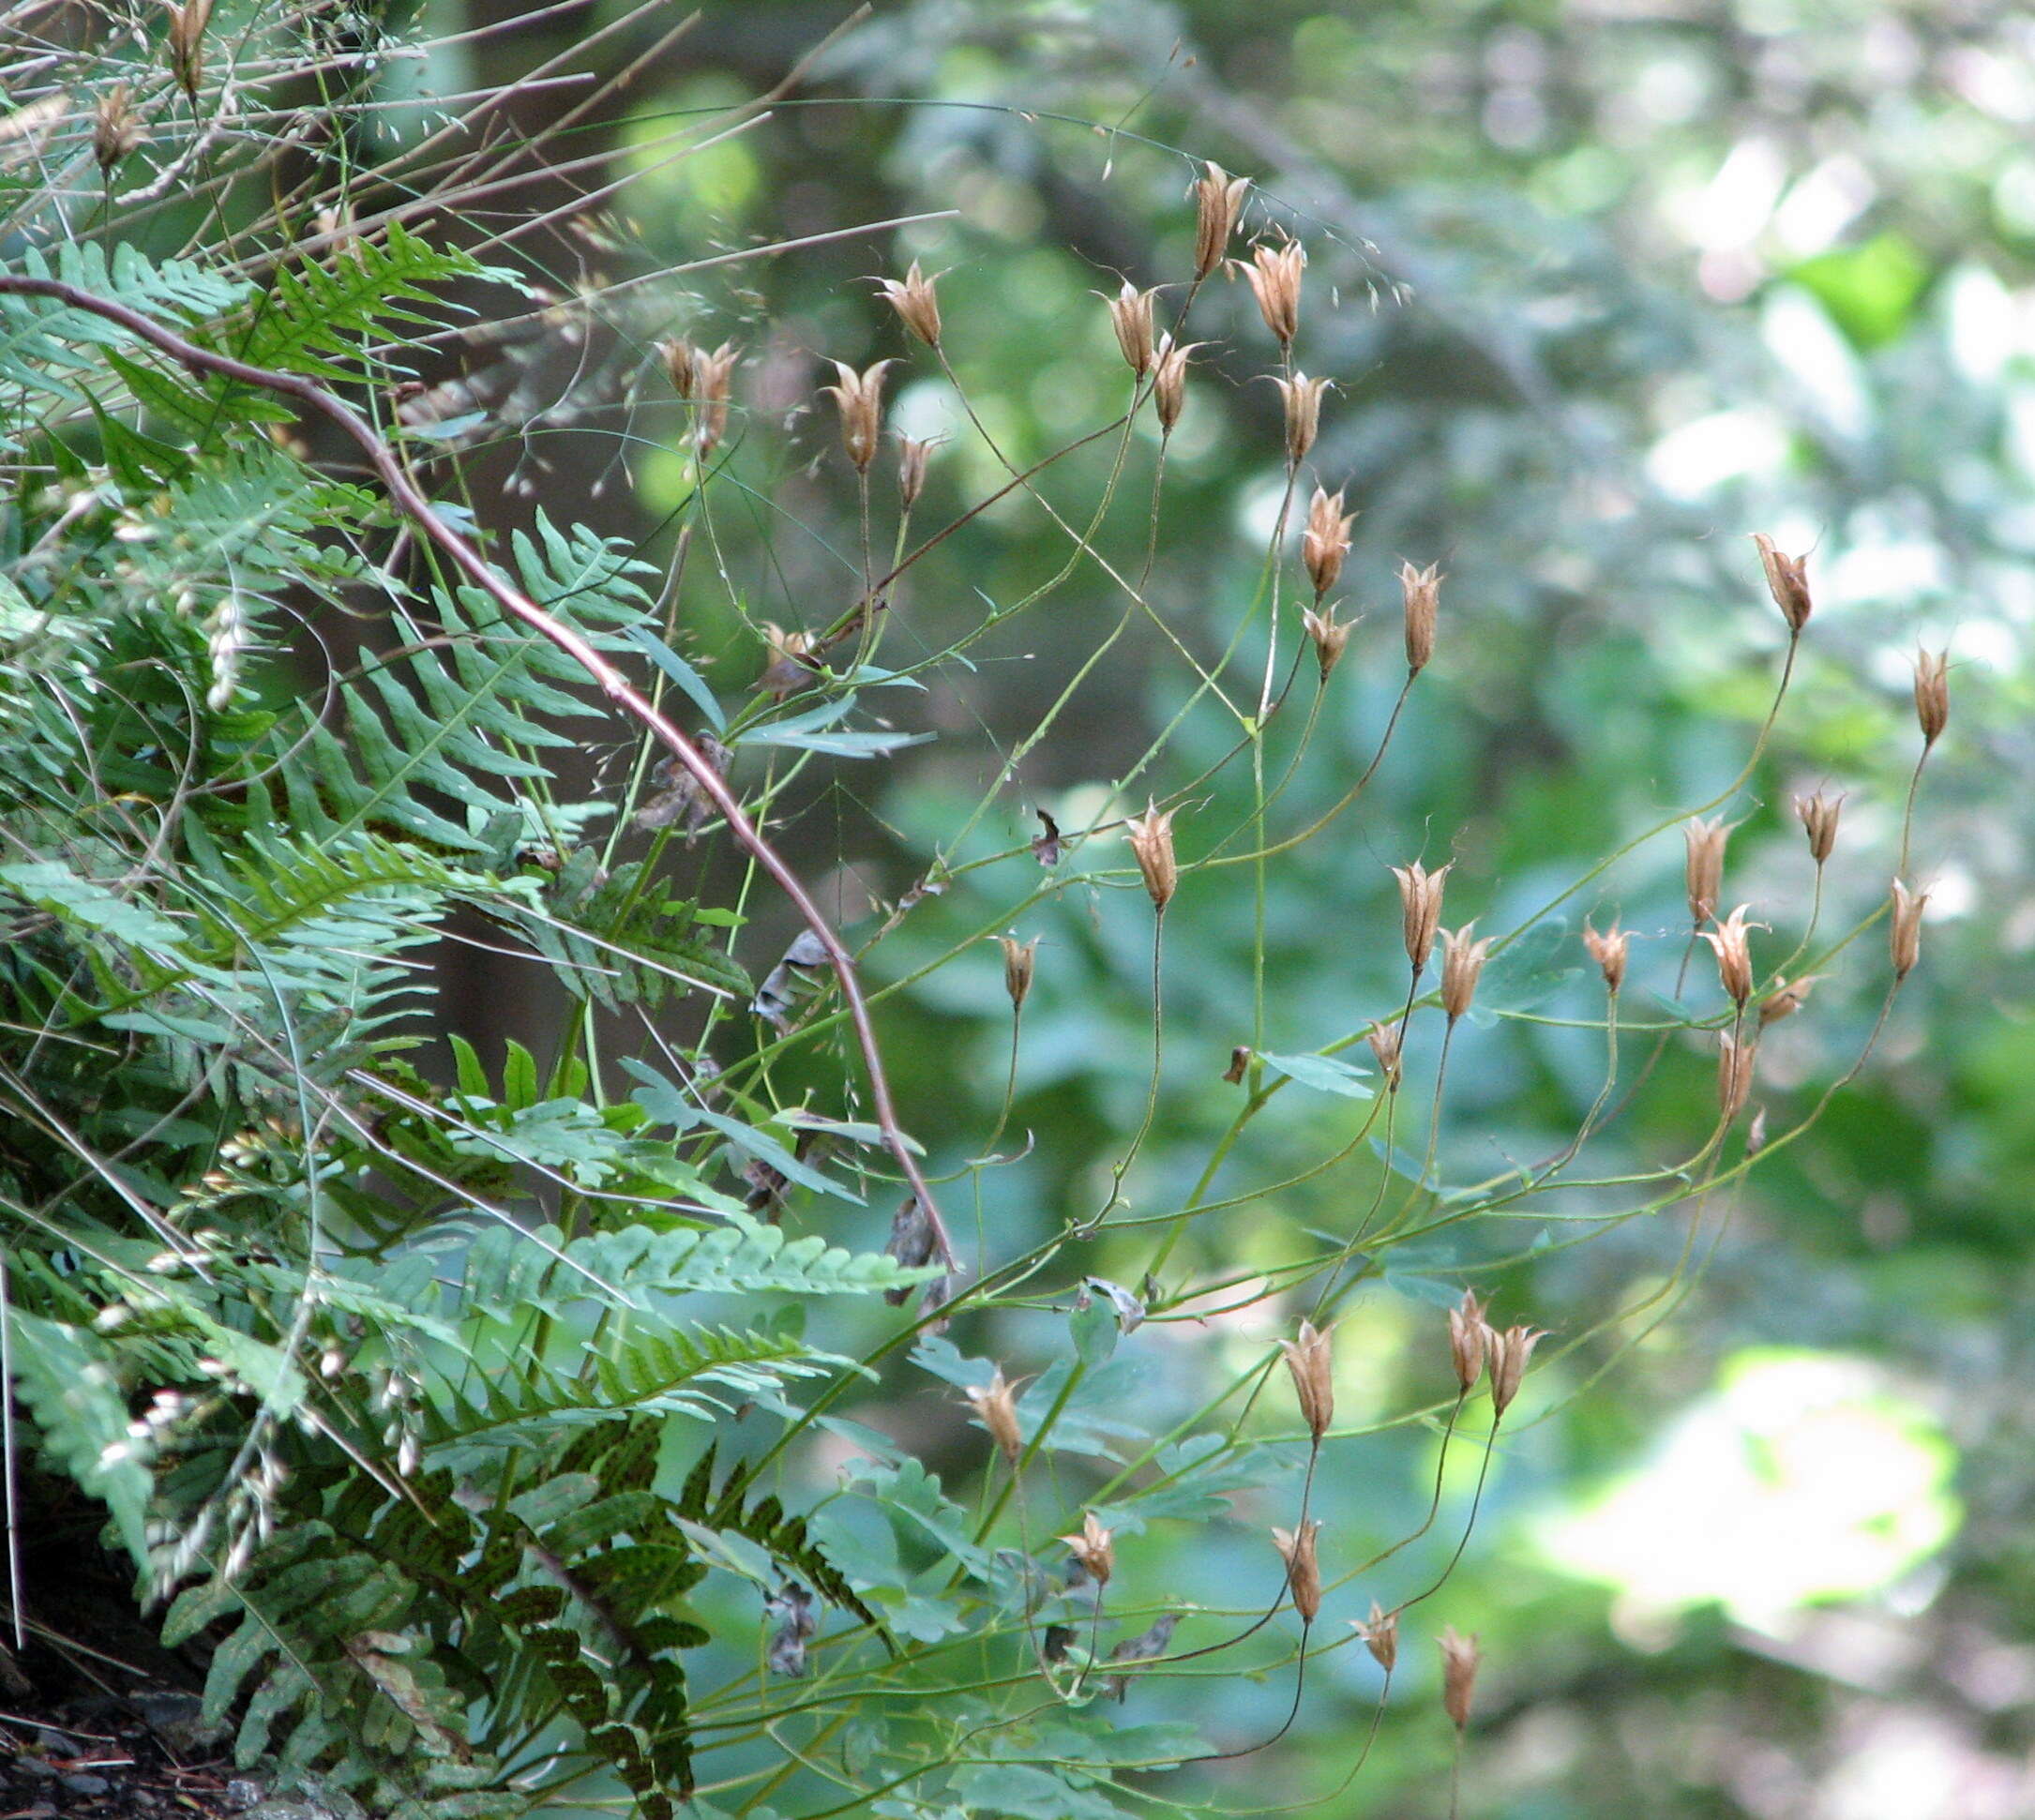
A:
[(681, 364), (1094, 1548), (1018, 957), (1462, 966), (1730, 942), (1468, 1335), (1384, 1042), (1819, 815), (1704, 867), (1904, 937), (1932, 694), (116, 128), (917, 305), (184, 44), (1303, 1571), (1461, 1657), (1421, 588), (1312, 1365), (859, 397), (1326, 540), (1785, 999), (1218, 199), (1130, 315), (1609, 951), (997, 1409), (1381, 1634), (1787, 580), (1735, 1060), (711, 373), (1508, 1353), (1275, 275), (1302, 397), (1169, 379), (1329, 635), (1420, 907), (913, 453), (1151, 836)]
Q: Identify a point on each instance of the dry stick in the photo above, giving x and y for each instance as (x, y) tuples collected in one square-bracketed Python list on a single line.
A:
[(612, 683)]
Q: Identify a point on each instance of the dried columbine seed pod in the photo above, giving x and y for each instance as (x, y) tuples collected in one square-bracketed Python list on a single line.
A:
[(1508, 1353), (1381, 1634), (1302, 397), (1312, 1366), (998, 1411), (913, 299), (1422, 590), (1384, 1042), (1466, 1337), (1094, 1548), (1218, 199), (1130, 315), (1326, 540), (1420, 906), (681, 364), (1730, 942), (913, 455), (186, 42), (1018, 965), (1328, 634), (1785, 999), (1932, 695), (1734, 1073), (859, 397), (1819, 815), (1169, 379), (710, 379), (1462, 965), (1461, 1657), (1609, 951), (1275, 275), (116, 128), (1787, 580), (1151, 836), (1904, 934), (1303, 1571), (1704, 866)]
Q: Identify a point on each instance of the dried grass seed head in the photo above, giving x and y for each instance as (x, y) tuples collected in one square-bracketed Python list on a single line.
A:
[(1311, 1363), (997, 1409), (1151, 836), (1703, 866), (1462, 966), (859, 397), (1932, 694), (1609, 950), (1131, 316), (1094, 1548), (1787, 580), (1326, 540), (1218, 201), (1420, 907), (1819, 815), (916, 303), (1302, 401), (1303, 1570), (1730, 941), (1904, 934), (1274, 273), (1421, 593), (1735, 1059), (1460, 1657)]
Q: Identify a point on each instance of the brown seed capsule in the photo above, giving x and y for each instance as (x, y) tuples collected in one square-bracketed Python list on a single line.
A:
[(1462, 965), (1381, 1634), (998, 1411), (1326, 540), (1819, 815), (1130, 315), (1730, 942), (918, 307), (1303, 1571), (1787, 580), (1932, 695), (681, 364), (913, 455), (710, 379), (1018, 964), (1218, 199), (1466, 1337), (1384, 1042), (1328, 634), (1275, 275), (1785, 999), (185, 43), (1420, 906), (1609, 951), (1704, 865), (1094, 1548), (1169, 379), (859, 398), (1461, 1657), (116, 128), (1421, 588), (1312, 1366), (1151, 836), (1508, 1353), (1904, 936), (1734, 1073), (1302, 397)]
